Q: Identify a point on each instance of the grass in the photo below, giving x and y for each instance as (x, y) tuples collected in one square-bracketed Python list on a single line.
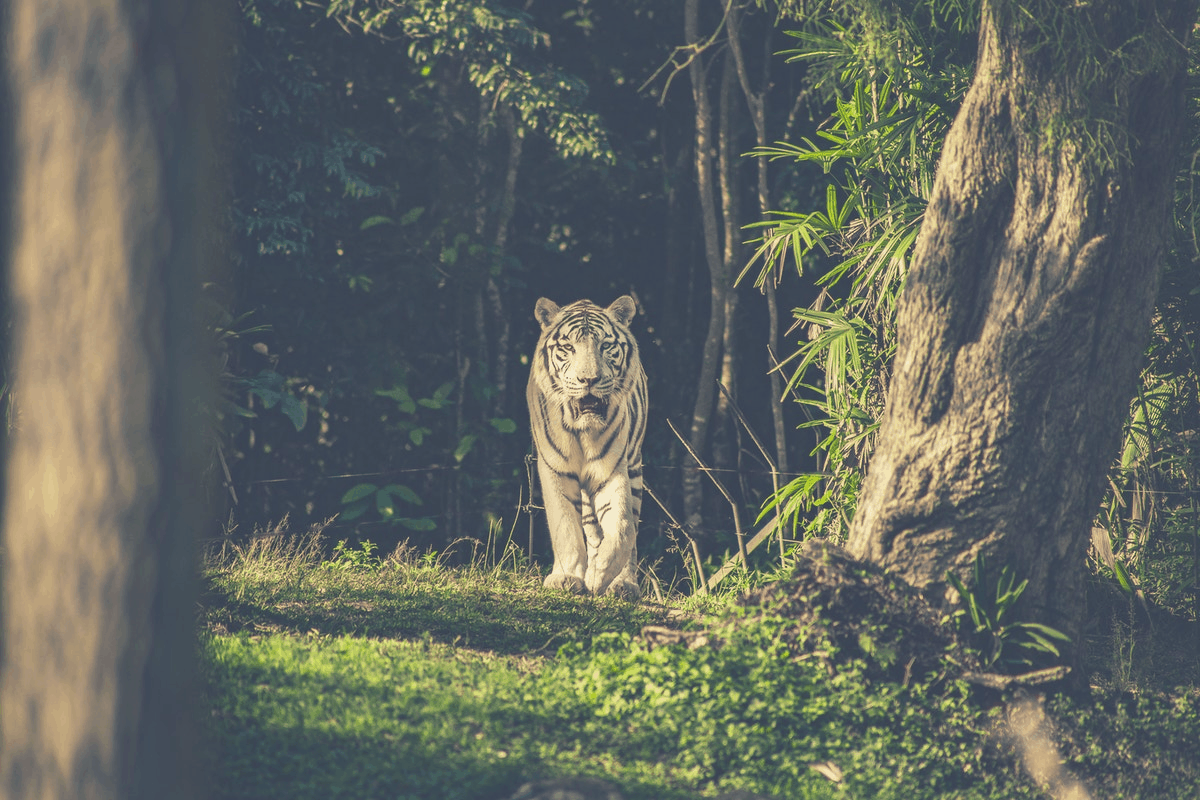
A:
[(361, 677)]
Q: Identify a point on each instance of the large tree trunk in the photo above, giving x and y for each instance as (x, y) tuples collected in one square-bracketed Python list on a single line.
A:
[(1029, 299), (112, 100)]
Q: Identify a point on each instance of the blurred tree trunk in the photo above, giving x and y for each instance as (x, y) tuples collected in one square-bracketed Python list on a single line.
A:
[(1028, 303), (710, 365), (113, 103)]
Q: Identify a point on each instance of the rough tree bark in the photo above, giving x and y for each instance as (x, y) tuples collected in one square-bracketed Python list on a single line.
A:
[(112, 106), (1029, 298)]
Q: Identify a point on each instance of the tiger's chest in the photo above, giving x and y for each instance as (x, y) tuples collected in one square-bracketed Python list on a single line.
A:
[(594, 456)]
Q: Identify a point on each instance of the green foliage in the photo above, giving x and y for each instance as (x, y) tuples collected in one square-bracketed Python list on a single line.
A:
[(990, 605), (270, 387), (1135, 729), (319, 717), (299, 172), (347, 559), (411, 425), (498, 48), (1149, 511), (361, 497), (879, 149), (750, 713)]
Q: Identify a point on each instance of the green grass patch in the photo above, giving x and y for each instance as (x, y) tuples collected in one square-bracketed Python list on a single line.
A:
[(275, 585), (325, 717), (403, 678)]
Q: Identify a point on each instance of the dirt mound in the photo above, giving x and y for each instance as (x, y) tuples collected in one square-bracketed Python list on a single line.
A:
[(840, 609), (862, 612)]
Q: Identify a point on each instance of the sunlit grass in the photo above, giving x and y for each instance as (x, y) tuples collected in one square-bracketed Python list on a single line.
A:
[(279, 585), (322, 717), (347, 674)]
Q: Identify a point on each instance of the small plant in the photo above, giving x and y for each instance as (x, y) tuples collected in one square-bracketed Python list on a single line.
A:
[(363, 496), (994, 634), (347, 559)]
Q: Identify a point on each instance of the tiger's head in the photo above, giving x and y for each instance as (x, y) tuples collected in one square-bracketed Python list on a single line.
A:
[(586, 359)]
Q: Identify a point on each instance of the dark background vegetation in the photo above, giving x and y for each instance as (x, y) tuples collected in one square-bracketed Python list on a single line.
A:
[(368, 187)]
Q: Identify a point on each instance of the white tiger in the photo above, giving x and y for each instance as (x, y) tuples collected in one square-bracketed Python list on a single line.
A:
[(587, 408)]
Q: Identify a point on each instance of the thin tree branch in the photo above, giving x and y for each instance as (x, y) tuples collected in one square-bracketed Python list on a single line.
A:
[(737, 517)]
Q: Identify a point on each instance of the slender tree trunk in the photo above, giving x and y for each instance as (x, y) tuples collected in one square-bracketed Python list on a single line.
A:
[(725, 449), (677, 262), (113, 102), (757, 103), (504, 215), (706, 388), (1028, 303)]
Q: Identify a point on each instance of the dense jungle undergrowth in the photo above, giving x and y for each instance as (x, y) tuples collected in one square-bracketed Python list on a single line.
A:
[(335, 672)]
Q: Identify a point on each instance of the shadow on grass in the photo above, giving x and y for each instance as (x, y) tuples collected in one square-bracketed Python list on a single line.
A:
[(255, 764), (505, 616)]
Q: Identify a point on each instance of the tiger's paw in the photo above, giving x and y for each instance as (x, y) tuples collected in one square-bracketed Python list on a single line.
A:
[(568, 583), (624, 589)]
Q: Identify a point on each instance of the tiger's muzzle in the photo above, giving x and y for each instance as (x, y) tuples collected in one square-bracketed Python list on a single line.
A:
[(588, 405)]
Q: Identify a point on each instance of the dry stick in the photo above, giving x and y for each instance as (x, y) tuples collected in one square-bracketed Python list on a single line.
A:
[(728, 566), (737, 517), (1003, 682), (770, 462), (654, 584), (703, 587), (224, 468)]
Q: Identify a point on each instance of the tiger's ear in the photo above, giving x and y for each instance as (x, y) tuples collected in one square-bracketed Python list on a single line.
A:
[(623, 309), (545, 311)]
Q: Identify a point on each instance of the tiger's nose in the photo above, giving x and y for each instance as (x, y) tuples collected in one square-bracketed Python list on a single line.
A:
[(589, 382)]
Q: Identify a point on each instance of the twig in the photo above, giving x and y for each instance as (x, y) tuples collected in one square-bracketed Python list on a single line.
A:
[(766, 457), (693, 49), (992, 680), (729, 565), (225, 469), (649, 573), (737, 517), (703, 587)]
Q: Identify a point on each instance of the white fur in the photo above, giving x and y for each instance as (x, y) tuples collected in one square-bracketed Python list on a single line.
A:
[(589, 453)]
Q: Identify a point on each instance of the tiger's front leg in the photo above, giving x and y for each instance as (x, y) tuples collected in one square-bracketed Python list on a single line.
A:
[(612, 540), (563, 502)]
